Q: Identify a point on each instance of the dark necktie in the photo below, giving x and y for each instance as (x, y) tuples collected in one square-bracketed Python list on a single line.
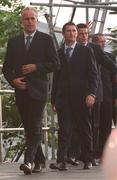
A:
[(28, 41), (68, 53)]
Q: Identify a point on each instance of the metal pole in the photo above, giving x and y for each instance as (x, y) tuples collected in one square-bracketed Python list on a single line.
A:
[(1, 145), (103, 18), (45, 133), (96, 2), (51, 17), (87, 13), (114, 8)]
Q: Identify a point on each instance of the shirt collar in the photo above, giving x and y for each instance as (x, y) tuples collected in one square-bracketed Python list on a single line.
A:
[(72, 46), (32, 35)]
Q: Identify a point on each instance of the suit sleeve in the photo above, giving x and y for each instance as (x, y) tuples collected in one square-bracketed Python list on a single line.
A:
[(93, 77), (8, 65), (54, 86), (103, 59), (52, 60)]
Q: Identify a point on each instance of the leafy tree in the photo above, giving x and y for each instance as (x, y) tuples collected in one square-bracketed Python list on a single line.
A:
[(9, 24), (9, 27), (113, 42), (5, 3)]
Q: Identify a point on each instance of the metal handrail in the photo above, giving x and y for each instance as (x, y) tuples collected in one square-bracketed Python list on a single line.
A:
[(114, 8), (3, 130), (9, 130)]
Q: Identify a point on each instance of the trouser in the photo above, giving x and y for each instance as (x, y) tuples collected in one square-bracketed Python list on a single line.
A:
[(95, 127), (74, 115), (105, 124), (64, 132), (31, 112), (83, 124)]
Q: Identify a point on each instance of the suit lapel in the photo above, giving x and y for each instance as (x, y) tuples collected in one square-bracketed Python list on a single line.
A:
[(35, 39), (75, 52), (22, 44), (62, 55)]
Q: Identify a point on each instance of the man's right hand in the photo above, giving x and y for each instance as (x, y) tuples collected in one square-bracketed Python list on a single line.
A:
[(20, 83), (53, 108)]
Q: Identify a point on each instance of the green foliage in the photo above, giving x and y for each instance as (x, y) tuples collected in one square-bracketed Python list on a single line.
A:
[(9, 25), (12, 141), (6, 3), (13, 145), (9, 113), (113, 42)]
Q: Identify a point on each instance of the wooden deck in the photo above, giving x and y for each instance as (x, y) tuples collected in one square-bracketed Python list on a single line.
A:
[(10, 171)]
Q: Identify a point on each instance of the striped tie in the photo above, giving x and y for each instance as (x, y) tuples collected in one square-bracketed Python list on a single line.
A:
[(68, 53), (28, 41)]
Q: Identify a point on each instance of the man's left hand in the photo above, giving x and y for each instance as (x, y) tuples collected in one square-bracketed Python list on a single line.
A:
[(90, 100), (28, 68)]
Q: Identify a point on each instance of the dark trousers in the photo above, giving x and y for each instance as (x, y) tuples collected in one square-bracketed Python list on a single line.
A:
[(64, 132), (83, 125), (114, 114), (31, 112), (74, 150), (74, 117), (105, 124), (95, 127)]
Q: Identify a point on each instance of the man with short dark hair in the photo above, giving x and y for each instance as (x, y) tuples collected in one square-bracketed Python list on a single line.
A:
[(101, 60), (73, 94)]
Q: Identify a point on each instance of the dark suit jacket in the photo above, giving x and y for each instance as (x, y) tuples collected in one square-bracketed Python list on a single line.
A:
[(75, 79), (109, 85), (41, 52), (102, 60)]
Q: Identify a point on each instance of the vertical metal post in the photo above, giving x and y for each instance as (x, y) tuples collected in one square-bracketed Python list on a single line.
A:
[(95, 19), (1, 146), (104, 13), (45, 133), (51, 17), (87, 13), (53, 140)]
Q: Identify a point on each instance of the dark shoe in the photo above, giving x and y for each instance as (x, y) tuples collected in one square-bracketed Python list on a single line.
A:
[(53, 166), (73, 162), (94, 163), (37, 169), (87, 165), (62, 166), (43, 165), (27, 168)]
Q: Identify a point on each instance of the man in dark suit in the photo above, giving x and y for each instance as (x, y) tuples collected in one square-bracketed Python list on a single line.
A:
[(109, 95), (73, 94), (29, 58), (101, 60)]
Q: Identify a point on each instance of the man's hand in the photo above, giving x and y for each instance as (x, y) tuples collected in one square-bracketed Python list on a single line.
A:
[(89, 25), (116, 78), (115, 103), (90, 100), (53, 108), (20, 83), (28, 68)]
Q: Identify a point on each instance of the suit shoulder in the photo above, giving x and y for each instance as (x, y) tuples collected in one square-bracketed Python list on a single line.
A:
[(44, 35), (14, 40), (110, 55), (94, 45), (84, 48)]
